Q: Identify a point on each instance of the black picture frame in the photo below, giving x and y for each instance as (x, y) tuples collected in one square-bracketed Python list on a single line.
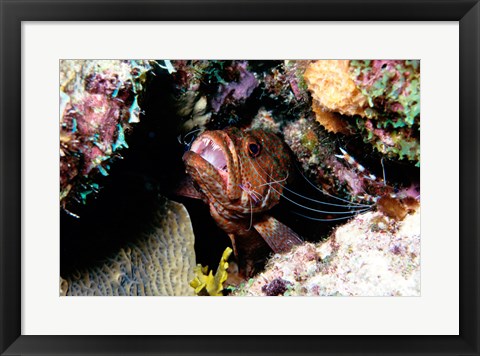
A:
[(13, 12)]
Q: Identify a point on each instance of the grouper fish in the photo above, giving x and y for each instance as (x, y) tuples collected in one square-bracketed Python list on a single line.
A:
[(240, 174)]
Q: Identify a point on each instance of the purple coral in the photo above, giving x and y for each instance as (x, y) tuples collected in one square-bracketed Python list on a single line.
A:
[(237, 90), (276, 287)]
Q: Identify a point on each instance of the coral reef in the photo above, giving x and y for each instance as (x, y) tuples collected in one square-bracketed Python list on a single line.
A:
[(397, 208), (372, 255), (391, 87), (160, 263), (332, 87), (316, 151), (233, 92), (236, 90), (331, 121), (285, 84), (276, 287), (212, 94), (379, 100), (265, 120), (393, 118), (98, 104), (205, 283), (352, 128), (191, 103)]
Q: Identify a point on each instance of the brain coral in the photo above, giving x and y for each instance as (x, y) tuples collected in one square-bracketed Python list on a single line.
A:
[(160, 263)]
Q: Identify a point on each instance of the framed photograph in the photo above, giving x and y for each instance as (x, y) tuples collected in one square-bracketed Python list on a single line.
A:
[(240, 178)]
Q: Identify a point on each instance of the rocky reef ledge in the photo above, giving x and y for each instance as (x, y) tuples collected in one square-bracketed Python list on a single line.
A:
[(372, 255)]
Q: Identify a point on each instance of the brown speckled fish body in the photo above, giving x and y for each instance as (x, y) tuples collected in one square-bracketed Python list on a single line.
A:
[(241, 175)]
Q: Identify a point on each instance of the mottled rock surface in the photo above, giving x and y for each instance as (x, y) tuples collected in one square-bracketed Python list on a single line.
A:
[(372, 255)]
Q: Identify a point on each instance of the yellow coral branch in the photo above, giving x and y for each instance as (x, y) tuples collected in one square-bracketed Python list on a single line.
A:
[(208, 284)]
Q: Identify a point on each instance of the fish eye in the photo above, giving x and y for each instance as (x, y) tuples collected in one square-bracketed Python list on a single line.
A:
[(253, 148)]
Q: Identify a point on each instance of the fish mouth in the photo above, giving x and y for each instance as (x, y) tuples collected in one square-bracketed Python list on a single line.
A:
[(213, 153)]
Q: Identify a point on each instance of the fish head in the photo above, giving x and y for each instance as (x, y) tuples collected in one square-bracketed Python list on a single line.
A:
[(244, 171)]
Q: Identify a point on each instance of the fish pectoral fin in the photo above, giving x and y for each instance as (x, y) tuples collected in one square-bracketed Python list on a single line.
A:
[(278, 236), (234, 245), (186, 188)]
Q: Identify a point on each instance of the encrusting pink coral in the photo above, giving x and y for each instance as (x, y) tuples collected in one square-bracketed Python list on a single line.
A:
[(98, 103)]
